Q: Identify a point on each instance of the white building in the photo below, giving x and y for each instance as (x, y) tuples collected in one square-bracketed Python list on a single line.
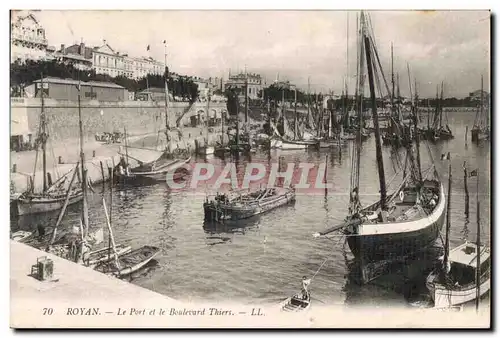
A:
[(106, 60), (27, 38)]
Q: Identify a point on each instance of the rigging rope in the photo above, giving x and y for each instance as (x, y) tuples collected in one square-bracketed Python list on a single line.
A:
[(319, 268)]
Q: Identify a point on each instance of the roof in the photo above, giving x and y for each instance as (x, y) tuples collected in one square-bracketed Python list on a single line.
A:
[(466, 254), (74, 57), (75, 82)]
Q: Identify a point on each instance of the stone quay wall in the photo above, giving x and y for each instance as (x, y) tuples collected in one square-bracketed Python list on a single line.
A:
[(139, 117)]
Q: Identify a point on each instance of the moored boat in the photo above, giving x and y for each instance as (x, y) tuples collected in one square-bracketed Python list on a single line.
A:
[(128, 263), (21, 236), (405, 221), (155, 170), (296, 303), (481, 129), (459, 286), (33, 203), (405, 227), (105, 254), (226, 208)]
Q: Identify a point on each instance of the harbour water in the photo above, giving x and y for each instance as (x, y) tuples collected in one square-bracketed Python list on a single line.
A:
[(263, 260)]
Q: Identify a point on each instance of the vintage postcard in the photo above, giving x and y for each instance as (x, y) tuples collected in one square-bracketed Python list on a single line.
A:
[(250, 169)]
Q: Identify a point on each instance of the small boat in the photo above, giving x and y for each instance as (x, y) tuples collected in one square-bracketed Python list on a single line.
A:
[(129, 262), (21, 236), (35, 203), (104, 254), (226, 208), (293, 144), (458, 286), (296, 303), (156, 170)]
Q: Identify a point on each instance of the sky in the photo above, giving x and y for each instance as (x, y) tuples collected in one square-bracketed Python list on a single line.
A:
[(439, 46)]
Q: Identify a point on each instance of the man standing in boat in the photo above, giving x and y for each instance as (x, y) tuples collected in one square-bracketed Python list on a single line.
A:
[(305, 283)]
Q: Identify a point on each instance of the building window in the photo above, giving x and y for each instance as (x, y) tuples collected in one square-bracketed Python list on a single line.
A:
[(92, 95)]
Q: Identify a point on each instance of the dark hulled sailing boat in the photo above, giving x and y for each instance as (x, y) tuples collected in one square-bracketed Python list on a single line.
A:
[(401, 222), (481, 129)]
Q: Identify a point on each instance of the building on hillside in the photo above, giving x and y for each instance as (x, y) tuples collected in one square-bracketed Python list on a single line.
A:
[(204, 88), (77, 55), (67, 89), (217, 83), (27, 38), (146, 65), (253, 83), (106, 60)]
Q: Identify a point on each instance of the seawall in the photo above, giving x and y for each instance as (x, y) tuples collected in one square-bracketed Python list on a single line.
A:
[(139, 117)]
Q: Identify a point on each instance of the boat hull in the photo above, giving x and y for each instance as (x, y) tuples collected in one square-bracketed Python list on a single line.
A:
[(130, 262), (158, 175), (104, 255), (443, 297), (295, 304), (392, 245), (43, 205), (221, 212)]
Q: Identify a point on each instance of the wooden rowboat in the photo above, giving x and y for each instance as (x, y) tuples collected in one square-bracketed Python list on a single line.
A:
[(104, 254), (129, 262), (296, 303), (21, 236)]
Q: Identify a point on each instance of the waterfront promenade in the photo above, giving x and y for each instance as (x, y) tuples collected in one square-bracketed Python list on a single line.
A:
[(69, 152)]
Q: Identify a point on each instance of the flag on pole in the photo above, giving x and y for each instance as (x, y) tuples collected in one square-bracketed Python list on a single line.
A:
[(473, 173), (147, 48)]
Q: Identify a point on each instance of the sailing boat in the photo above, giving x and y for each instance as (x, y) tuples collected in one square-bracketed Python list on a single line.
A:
[(295, 142), (481, 129), (153, 165), (401, 222), (205, 149), (438, 131), (51, 197), (80, 239), (465, 271)]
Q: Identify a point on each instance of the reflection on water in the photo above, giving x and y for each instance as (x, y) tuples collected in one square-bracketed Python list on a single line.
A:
[(263, 259)]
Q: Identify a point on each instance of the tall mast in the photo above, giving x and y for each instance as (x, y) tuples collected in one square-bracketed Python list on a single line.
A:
[(43, 138), (448, 223), (398, 93), (356, 158), (392, 81), (441, 106), (482, 102), (166, 93), (436, 111), (347, 62), (246, 97), (417, 135), (85, 215), (380, 163), (308, 98), (478, 246), (295, 132)]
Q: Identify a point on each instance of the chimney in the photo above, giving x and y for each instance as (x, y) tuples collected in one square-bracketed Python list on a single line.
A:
[(82, 48), (63, 48)]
